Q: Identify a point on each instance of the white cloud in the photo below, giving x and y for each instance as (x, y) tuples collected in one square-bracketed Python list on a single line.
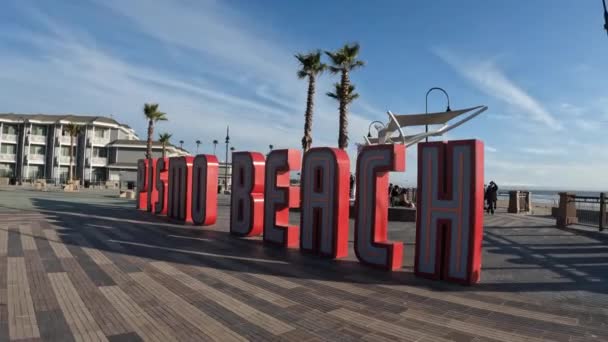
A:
[(490, 149), (543, 151), (487, 77)]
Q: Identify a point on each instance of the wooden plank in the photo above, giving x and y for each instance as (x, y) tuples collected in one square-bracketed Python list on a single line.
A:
[(27, 241), (377, 325), (541, 316), (79, 318), (276, 280), (21, 314), (98, 257), (241, 309), (144, 325), (58, 247), (205, 323), (253, 290), (3, 240), (466, 327)]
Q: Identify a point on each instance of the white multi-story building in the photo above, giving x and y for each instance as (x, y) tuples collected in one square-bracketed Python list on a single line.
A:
[(38, 147)]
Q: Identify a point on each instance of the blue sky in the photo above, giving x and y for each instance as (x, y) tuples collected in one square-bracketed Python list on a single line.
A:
[(540, 66)]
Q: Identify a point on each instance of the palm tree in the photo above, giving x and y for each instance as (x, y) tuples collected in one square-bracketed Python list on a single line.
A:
[(164, 138), (153, 115), (73, 130), (198, 143), (311, 67), (337, 94), (344, 60), (214, 146)]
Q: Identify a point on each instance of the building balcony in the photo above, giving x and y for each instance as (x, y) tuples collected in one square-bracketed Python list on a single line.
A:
[(95, 141), (35, 158), (11, 158), (65, 140), (9, 138), (97, 161), (36, 139), (63, 160)]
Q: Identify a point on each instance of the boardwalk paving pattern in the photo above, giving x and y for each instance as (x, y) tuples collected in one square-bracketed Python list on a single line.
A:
[(89, 267)]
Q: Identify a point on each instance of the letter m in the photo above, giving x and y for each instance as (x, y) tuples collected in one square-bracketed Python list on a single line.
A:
[(449, 222)]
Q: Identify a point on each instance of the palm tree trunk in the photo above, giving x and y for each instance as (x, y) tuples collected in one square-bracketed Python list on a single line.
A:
[(343, 135), (164, 150), (71, 158), (149, 142), (310, 102)]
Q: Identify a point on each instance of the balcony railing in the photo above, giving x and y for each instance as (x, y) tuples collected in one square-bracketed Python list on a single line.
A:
[(64, 160), (9, 138), (97, 161), (65, 140), (8, 158), (35, 158), (37, 139), (98, 141)]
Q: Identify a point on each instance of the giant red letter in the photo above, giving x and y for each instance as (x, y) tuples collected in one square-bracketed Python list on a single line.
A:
[(142, 184), (247, 197), (180, 188), (161, 184), (204, 189), (449, 223), (279, 196), (371, 224), (325, 202)]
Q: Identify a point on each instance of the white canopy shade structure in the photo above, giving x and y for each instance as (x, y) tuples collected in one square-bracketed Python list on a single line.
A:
[(397, 123)]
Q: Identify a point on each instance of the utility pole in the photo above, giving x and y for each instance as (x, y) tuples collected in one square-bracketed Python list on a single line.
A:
[(226, 160)]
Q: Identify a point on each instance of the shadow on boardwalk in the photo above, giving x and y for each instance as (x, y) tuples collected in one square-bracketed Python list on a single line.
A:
[(512, 259)]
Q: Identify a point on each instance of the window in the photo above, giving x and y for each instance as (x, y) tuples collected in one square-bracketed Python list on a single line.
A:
[(8, 149), (38, 130), (35, 171), (99, 152), (7, 170), (36, 149), (65, 151), (100, 133), (9, 129)]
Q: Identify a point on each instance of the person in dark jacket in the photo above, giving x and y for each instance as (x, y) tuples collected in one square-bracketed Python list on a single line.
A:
[(491, 196)]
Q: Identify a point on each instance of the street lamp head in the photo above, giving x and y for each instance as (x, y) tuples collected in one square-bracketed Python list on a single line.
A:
[(369, 134), (448, 109)]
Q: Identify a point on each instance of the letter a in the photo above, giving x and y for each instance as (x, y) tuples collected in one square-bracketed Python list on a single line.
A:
[(180, 189), (449, 222), (204, 189), (247, 198), (325, 202), (279, 196), (161, 184), (142, 184), (371, 224)]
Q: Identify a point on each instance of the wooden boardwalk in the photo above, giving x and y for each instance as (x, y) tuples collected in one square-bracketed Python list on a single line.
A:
[(92, 269)]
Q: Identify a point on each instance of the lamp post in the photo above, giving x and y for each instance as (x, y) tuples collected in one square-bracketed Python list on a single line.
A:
[(181, 144), (271, 146), (605, 16), (226, 160), (198, 143), (369, 128), (426, 106), (214, 146)]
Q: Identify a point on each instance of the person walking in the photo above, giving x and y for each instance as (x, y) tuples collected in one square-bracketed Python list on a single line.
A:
[(494, 193), (352, 186), (491, 196)]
